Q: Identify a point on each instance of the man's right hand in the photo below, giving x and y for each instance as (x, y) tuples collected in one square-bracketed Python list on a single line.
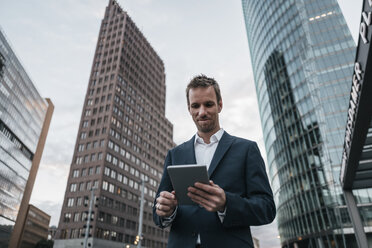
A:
[(166, 203)]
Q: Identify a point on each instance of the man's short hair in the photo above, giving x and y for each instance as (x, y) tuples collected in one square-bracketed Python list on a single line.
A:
[(204, 82)]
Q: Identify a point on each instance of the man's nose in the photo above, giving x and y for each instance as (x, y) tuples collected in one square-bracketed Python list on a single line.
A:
[(202, 111)]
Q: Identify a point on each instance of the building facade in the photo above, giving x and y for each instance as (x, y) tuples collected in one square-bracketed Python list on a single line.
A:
[(356, 169), (302, 56), (35, 228), (122, 139), (24, 123)]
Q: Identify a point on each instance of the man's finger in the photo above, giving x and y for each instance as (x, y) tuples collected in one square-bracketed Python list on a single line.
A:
[(168, 195), (201, 193), (163, 213), (164, 208), (165, 201), (200, 200), (207, 188)]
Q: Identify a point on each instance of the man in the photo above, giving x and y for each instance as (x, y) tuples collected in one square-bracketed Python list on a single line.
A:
[(238, 195)]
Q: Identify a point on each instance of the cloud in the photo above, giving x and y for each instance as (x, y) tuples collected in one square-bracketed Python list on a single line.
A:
[(52, 208), (50, 184)]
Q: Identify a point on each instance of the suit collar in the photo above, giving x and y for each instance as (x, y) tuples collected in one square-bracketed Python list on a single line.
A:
[(223, 145), (216, 137)]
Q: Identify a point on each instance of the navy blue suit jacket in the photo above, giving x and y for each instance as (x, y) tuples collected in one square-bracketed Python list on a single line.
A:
[(238, 168)]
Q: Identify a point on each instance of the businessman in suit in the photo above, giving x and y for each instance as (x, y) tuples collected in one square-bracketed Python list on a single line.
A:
[(238, 194)]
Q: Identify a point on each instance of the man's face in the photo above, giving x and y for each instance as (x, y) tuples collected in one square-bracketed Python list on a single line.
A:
[(204, 109)]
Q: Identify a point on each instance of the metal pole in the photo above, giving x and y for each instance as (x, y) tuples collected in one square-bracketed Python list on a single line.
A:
[(89, 217), (355, 219), (141, 213)]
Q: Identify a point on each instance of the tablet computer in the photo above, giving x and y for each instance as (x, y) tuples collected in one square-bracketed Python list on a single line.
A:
[(184, 176)]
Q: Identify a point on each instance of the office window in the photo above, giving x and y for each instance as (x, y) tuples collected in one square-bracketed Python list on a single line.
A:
[(95, 184), (111, 188), (73, 187), (81, 186), (107, 171), (70, 202), (81, 148), (113, 174), (89, 185), (76, 217), (67, 217), (85, 124), (104, 185)]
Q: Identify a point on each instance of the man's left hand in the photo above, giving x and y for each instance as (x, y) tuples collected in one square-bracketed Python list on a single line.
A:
[(210, 196)]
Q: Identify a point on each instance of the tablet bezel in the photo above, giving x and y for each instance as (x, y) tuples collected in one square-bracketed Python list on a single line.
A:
[(184, 176)]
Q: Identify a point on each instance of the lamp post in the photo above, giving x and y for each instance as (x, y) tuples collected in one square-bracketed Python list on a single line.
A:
[(87, 229), (140, 221)]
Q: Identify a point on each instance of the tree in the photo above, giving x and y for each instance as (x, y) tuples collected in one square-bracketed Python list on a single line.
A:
[(44, 244)]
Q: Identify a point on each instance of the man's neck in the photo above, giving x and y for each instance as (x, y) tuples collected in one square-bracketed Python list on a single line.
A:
[(207, 136)]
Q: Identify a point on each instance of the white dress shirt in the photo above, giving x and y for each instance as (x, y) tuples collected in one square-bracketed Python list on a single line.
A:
[(203, 154)]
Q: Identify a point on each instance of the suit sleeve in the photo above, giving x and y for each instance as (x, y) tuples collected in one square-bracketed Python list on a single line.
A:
[(257, 207), (165, 185)]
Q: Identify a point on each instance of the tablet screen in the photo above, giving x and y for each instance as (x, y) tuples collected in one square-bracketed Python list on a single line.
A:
[(184, 176)]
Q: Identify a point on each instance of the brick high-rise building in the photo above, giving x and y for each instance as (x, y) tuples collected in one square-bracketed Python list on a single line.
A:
[(123, 138)]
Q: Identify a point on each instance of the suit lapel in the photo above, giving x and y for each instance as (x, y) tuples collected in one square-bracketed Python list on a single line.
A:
[(222, 148), (189, 152), (189, 158)]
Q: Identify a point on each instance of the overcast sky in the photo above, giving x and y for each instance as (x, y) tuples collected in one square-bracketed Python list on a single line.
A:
[(55, 41)]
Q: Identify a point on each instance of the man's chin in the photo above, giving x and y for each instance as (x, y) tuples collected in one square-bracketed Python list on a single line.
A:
[(205, 129)]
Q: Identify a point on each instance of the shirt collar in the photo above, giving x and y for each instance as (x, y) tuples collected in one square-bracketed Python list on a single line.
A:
[(216, 137)]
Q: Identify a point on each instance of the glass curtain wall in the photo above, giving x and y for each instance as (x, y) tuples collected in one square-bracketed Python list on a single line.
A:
[(22, 112), (302, 56)]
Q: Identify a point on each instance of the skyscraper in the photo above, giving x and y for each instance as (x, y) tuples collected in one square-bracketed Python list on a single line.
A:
[(24, 122), (122, 139), (302, 56)]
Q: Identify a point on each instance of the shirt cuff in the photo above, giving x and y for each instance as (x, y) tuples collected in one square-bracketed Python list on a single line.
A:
[(221, 215), (167, 221)]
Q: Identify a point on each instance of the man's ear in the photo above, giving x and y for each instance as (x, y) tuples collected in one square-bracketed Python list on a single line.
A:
[(220, 106)]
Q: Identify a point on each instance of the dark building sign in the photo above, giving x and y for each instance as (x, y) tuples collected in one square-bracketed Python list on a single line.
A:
[(354, 101), (358, 114)]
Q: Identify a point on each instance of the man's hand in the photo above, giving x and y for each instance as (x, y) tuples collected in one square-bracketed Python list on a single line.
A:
[(210, 196), (166, 203)]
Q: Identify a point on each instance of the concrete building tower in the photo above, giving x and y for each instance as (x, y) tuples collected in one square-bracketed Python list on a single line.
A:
[(123, 138)]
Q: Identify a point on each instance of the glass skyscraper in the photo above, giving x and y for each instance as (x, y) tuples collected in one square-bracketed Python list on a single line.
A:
[(302, 56), (22, 115)]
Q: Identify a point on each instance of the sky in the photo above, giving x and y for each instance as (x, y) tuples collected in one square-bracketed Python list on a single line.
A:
[(55, 41)]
